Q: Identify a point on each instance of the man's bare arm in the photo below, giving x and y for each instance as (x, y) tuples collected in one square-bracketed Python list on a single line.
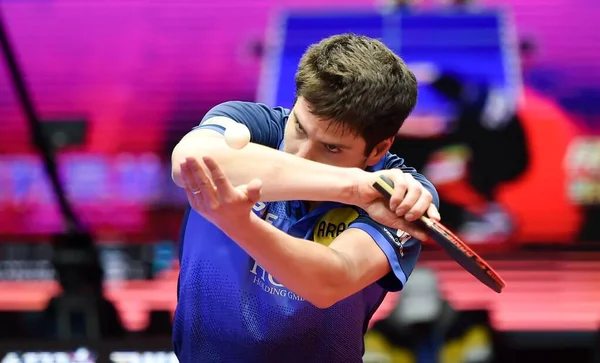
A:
[(284, 176), (322, 275)]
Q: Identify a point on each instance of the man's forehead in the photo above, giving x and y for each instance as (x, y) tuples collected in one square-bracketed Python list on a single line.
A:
[(333, 127)]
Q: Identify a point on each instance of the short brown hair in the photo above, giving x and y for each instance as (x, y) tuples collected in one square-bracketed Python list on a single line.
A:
[(357, 83)]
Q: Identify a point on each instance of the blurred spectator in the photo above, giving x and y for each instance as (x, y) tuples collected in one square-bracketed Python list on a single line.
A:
[(400, 5), (424, 328), (461, 5), (81, 316), (582, 163), (527, 52), (482, 147), (533, 73), (81, 310)]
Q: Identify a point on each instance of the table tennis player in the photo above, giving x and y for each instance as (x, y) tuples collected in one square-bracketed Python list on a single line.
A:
[(286, 249)]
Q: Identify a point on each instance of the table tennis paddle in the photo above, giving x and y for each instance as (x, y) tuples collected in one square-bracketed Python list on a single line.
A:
[(453, 246)]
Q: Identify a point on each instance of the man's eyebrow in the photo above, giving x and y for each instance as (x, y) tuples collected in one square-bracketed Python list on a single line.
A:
[(296, 118)]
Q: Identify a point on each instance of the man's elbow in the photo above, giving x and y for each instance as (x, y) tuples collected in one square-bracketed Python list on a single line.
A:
[(336, 283), (329, 293), (189, 146), (176, 176), (329, 296), (324, 300), (178, 156)]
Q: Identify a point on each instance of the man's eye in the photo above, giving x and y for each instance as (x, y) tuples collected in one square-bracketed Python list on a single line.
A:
[(299, 127), (332, 148)]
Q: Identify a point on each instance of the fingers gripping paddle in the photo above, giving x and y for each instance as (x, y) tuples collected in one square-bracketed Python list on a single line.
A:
[(456, 248)]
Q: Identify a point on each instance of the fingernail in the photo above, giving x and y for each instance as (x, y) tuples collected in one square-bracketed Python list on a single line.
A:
[(409, 216), (401, 211), (208, 161)]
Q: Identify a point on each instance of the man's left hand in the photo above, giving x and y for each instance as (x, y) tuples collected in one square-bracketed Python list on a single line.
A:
[(212, 195)]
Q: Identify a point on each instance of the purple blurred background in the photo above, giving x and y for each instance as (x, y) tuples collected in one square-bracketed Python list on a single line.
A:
[(143, 73), (150, 68)]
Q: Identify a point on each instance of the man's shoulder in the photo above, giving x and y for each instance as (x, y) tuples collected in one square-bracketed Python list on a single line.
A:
[(389, 161), (257, 109), (261, 105), (266, 124)]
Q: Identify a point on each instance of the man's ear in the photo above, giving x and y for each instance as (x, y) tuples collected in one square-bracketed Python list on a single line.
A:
[(379, 151)]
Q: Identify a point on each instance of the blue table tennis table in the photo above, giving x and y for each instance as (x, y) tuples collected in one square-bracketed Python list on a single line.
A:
[(479, 46)]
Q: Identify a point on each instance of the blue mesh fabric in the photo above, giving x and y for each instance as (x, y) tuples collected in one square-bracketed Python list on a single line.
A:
[(231, 310)]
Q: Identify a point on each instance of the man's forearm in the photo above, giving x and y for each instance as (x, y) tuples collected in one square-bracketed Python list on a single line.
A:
[(284, 176), (311, 270)]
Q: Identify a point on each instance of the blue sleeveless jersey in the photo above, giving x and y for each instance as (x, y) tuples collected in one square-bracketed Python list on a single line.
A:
[(231, 310)]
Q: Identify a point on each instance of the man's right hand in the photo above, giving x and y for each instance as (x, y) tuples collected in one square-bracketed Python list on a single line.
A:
[(410, 201)]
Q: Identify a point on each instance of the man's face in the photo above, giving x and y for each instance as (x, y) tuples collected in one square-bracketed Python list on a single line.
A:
[(318, 140)]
